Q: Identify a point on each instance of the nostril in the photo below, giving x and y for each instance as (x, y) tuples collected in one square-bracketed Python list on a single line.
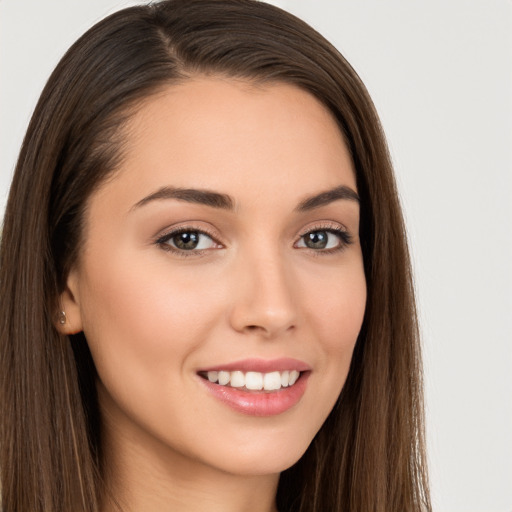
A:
[(258, 316), (268, 332), (254, 328)]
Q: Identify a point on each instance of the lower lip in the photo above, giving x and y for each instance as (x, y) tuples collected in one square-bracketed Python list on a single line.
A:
[(259, 403)]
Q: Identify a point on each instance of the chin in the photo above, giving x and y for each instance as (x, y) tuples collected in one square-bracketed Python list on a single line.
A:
[(264, 458)]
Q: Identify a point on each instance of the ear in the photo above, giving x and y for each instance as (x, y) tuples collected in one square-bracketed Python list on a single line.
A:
[(69, 317)]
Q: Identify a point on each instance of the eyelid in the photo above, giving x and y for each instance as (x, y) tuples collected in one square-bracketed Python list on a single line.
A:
[(324, 225), (176, 230), (336, 228), (162, 239)]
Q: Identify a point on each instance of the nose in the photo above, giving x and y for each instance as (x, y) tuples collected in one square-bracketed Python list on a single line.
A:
[(263, 297)]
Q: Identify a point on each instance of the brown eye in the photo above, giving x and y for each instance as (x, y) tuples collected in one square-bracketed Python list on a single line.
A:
[(316, 239), (324, 240), (187, 240)]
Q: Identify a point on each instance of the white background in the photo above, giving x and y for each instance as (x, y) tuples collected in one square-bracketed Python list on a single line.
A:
[(440, 73)]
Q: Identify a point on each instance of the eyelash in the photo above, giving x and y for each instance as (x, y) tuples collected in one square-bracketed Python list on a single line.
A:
[(345, 239), (163, 240)]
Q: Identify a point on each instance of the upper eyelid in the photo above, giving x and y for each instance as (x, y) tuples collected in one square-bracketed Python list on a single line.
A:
[(323, 225), (169, 232), (315, 226), (163, 241)]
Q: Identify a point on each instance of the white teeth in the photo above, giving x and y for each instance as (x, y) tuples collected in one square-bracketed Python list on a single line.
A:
[(237, 380), (294, 375), (255, 380), (224, 378), (272, 381)]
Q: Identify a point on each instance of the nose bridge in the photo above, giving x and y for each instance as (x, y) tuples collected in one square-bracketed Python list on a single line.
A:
[(264, 298)]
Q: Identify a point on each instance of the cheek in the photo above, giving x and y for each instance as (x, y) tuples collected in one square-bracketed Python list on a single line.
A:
[(336, 311), (148, 318), (333, 310), (337, 304)]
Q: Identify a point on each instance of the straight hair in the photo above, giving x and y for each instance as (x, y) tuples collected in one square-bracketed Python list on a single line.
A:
[(369, 456)]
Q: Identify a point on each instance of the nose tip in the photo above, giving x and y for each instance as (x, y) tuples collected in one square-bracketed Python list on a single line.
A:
[(264, 303)]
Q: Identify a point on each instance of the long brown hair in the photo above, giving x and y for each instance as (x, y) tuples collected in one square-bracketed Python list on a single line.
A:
[(369, 455)]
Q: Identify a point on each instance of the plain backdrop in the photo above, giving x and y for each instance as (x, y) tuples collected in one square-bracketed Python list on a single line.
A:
[(440, 74)]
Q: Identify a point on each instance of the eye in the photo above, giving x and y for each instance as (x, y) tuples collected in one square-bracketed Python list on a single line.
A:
[(331, 239), (187, 240)]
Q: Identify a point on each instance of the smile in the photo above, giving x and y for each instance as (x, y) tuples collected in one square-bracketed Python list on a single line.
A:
[(257, 387), (254, 381)]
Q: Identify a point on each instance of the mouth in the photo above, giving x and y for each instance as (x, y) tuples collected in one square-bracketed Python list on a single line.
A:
[(257, 387), (253, 381)]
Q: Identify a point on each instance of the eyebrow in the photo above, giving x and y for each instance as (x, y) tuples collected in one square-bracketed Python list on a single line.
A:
[(327, 197), (190, 195), (226, 202)]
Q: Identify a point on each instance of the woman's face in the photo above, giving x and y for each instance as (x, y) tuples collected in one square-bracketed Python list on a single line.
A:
[(222, 257)]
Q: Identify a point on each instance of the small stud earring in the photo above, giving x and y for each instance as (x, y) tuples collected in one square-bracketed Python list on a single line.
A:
[(62, 317)]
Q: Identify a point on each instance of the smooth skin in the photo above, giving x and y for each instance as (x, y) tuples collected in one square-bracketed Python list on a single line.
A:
[(262, 279)]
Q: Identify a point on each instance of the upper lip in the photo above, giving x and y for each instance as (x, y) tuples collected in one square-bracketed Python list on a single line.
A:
[(261, 365)]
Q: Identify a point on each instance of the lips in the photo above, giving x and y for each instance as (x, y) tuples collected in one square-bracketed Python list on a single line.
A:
[(258, 387)]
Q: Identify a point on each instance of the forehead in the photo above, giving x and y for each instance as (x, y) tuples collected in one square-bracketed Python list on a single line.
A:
[(235, 137)]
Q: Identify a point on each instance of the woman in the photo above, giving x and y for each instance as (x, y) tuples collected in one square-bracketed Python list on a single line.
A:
[(206, 292)]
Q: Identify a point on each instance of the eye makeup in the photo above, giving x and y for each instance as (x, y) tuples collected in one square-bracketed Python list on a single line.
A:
[(188, 240), (319, 238)]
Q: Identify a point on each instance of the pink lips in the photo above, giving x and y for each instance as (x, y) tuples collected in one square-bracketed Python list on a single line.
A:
[(260, 403)]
